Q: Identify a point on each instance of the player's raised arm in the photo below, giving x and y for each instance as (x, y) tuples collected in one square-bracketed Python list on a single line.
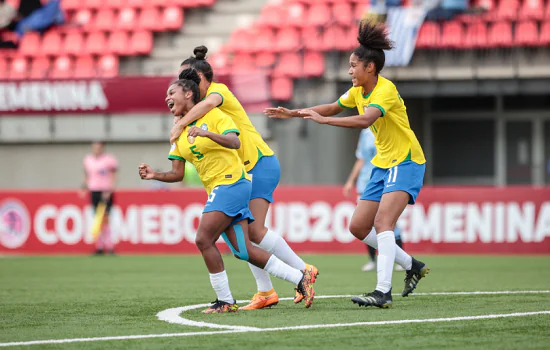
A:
[(325, 110), (360, 121), (174, 175), (228, 140)]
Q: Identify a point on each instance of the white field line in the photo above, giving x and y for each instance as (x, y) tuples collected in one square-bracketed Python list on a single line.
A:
[(252, 329)]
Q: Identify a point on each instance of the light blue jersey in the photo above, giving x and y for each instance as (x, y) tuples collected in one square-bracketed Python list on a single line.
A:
[(366, 150)]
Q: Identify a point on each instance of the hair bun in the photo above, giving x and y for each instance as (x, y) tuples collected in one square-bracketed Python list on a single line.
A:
[(200, 52), (190, 74)]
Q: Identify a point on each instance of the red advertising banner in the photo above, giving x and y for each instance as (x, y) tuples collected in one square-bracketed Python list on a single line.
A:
[(117, 95), (445, 220)]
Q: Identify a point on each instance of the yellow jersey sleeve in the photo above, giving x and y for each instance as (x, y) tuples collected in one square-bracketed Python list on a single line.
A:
[(384, 98), (175, 153), (226, 125), (216, 90), (347, 100)]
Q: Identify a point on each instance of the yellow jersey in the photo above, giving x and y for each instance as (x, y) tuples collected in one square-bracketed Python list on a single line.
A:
[(215, 164), (394, 139), (253, 147)]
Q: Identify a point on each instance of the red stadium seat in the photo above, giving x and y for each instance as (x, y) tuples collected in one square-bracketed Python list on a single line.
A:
[(73, 44), (137, 3), (3, 66), (314, 64), (361, 9), (71, 5), (351, 37), (527, 34), (289, 65), (342, 13), (62, 68), (428, 36), (40, 68), (287, 39), (220, 63), (141, 43), (84, 19), (96, 44), (507, 10), (333, 39), (318, 15), (545, 33), (265, 60), (30, 44), (532, 9), (205, 3), (119, 44), (547, 12), (488, 5), (241, 40), (476, 36), (295, 15), (84, 67), (149, 19), (19, 68), (264, 40), (272, 16), (107, 66), (127, 19), (452, 35), (51, 43), (172, 18), (95, 4), (312, 38), (500, 35), (243, 63), (105, 20), (281, 89), (116, 4)]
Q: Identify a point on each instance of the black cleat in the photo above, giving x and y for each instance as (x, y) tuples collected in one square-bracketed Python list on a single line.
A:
[(376, 298), (415, 274)]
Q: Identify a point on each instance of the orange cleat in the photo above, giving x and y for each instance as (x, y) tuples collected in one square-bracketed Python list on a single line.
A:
[(314, 272), (262, 300), (220, 307), (305, 287)]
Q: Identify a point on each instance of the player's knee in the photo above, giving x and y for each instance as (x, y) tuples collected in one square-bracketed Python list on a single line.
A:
[(359, 230), (256, 233), (382, 224), (203, 242)]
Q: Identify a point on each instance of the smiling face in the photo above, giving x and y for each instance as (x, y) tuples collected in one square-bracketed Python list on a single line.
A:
[(359, 71), (178, 100)]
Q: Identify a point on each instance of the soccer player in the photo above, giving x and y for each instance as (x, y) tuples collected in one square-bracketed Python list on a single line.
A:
[(100, 174), (399, 164), (359, 177), (259, 161), (211, 144)]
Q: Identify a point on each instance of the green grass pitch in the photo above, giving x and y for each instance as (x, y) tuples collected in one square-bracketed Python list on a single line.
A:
[(44, 298)]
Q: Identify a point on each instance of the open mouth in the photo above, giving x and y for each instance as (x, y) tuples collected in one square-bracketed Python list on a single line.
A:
[(170, 104)]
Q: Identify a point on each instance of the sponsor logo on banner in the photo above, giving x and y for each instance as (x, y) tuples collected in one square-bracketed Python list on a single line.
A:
[(14, 223)]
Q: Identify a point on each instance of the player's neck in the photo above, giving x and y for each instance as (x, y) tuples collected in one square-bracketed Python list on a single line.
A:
[(205, 88), (370, 85)]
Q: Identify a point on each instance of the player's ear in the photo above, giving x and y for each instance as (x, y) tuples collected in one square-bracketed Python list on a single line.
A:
[(188, 95)]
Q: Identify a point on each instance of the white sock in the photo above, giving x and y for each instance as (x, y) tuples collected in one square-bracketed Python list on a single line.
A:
[(281, 270), (386, 258), (401, 257), (220, 283), (262, 278), (276, 245)]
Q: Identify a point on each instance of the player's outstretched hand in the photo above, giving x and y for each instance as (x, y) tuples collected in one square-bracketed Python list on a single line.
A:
[(310, 114), (278, 113), (196, 131), (146, 172)]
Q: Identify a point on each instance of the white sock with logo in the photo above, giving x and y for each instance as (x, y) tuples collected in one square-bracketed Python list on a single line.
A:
[(263, 281), (220, 283), (279, 269), (276, 245), (386, 259), (401, 257)]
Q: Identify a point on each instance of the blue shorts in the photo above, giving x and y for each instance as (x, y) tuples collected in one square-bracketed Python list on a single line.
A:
[(265, 178), (407, 177), (232, 200)]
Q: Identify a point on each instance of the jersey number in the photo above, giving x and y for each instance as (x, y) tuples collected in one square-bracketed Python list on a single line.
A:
[(197, 153), (212, 195), (392, 177)]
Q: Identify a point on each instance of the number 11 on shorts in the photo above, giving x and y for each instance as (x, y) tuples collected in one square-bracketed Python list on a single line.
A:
[(392, 176)]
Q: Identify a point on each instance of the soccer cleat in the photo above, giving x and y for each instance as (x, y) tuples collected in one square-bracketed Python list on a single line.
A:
[(298, 297), (305, 287), (376, 298), (220, 307), (415, 274), (262, 301), (370, 266)]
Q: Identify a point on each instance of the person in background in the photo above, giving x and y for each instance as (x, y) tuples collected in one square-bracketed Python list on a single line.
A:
[(35, 17), (359, 177), (447, 10), (100, 175), (7, 14)]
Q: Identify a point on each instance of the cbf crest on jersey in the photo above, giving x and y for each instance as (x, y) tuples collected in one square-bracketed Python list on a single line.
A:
[(204, 127)]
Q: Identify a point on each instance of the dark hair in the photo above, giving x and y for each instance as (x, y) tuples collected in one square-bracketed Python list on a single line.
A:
[(373, 40), (189, 85), (190, 74), (199, 62)]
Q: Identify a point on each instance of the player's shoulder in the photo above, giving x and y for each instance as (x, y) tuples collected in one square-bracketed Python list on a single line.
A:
[(218, 87), (386, 84)]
